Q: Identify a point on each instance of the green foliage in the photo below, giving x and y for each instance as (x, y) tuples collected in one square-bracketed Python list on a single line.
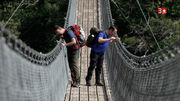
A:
[(134, 30), (34, 24)]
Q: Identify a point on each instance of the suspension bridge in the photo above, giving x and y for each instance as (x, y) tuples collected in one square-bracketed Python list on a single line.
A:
[(27, 75)]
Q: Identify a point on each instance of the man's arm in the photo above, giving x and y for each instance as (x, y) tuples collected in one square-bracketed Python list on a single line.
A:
[(116, 39), (72, 36), (73, 41), (101, 40)]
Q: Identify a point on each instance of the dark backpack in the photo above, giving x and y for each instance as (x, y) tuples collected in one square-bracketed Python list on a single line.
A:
[(92, 37), (80, 38)]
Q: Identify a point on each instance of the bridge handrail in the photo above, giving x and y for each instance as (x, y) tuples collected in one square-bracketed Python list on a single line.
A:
[(148, 78), (137, 62)]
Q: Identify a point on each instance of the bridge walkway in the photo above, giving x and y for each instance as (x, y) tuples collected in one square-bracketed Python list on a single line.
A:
[(86, 16)]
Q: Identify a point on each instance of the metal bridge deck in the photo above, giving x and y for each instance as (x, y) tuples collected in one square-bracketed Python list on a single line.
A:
[(86, 16)]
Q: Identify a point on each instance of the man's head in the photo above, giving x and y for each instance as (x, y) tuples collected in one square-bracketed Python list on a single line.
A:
[(59, 30), (112, 30)]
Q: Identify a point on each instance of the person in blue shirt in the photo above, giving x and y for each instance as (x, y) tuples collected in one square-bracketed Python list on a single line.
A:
[(97, 54), (73, 60)]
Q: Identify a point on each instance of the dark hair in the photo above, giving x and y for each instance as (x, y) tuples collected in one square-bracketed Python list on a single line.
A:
[(112, 27), (56, 27)]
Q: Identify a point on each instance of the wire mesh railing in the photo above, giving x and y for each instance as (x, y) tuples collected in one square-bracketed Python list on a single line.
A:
[(155, 77), (28, 75)]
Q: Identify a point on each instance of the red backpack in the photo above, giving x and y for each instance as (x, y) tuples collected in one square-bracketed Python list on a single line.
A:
[(80, 38)]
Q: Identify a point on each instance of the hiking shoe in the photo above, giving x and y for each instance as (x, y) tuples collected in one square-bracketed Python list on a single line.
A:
[(75, 84), (98, 83), (88, 82)]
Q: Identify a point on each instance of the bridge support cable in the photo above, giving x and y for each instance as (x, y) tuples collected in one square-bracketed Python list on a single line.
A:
[(148, 24), (121, 11), (142, 38), (21, 3)]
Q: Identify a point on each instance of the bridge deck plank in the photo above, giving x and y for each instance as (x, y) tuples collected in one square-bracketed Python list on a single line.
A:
[(86, 15)]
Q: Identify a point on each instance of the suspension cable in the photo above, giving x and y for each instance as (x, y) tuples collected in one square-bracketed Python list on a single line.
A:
[(148, 24), (121, 11), (126, 18), (14, 13)]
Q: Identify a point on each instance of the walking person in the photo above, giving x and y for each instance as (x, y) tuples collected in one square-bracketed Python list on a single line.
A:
[(97, 54), (72, 52)]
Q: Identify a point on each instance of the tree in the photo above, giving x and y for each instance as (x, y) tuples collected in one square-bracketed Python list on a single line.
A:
[(136, 34), (34, 21)]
